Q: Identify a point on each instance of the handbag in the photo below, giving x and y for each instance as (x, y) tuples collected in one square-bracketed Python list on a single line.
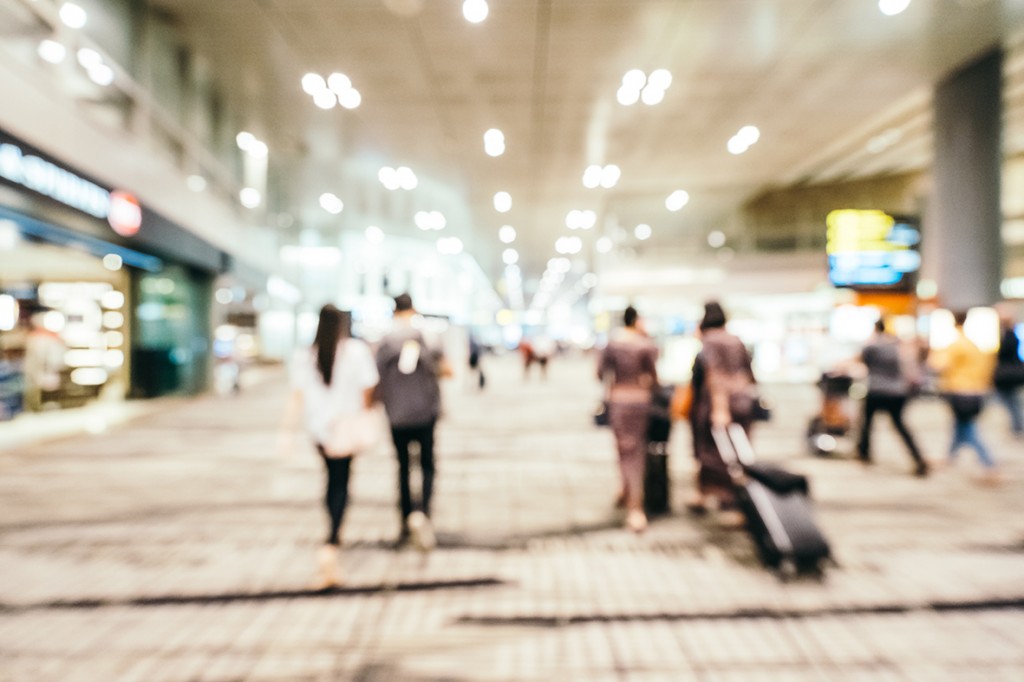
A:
[(682, 402), (350, 434), (601, 414)]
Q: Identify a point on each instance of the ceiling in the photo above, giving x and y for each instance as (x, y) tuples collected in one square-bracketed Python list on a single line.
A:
[(819, 78)]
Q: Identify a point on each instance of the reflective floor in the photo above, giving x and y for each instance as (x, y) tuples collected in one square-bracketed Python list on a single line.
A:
[(180, 546)]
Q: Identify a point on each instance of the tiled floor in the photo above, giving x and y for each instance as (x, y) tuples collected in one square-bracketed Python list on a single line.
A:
[(180, 546)]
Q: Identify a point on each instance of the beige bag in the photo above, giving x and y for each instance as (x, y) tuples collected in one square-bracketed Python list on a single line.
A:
[(351, 434)]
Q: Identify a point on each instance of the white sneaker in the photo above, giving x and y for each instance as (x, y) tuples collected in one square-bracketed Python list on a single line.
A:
[(421, 531)]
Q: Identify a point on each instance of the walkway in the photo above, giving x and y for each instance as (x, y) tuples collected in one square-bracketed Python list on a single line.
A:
[(179, 547)]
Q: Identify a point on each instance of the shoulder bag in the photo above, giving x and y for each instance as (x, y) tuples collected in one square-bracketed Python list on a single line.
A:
[(351, 434)]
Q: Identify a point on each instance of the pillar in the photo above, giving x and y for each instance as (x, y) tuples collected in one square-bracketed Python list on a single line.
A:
[(964, 216)]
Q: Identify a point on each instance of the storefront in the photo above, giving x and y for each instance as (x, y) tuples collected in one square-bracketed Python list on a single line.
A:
[(123, 293)]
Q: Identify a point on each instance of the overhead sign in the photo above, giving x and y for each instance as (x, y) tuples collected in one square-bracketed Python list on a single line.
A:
[(120, 209), (870, 249)]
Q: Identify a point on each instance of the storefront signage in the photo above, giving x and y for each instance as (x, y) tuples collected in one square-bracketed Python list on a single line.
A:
[(120, 209), (872, 250)]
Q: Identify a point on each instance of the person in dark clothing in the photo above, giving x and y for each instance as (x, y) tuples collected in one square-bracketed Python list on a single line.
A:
[(409, 369), (722, 389), (1009, 373), (892, 378)]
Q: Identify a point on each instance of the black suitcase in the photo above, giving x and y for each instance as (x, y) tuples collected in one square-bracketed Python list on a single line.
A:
[(659, 429), (657, 499), (777, 507)]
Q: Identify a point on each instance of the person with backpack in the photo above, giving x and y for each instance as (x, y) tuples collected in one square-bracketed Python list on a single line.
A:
[(410, 369)]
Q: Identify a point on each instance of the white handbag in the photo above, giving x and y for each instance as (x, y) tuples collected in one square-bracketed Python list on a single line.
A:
[(351, 434)]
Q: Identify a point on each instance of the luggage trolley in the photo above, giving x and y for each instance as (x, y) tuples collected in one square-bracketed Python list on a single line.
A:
[(834, 422)]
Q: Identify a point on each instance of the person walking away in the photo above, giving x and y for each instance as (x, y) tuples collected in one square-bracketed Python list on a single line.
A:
[(526, 350), (965, 375), (891, 380), (410, 370), (1009, 373), (629, 362), (544, 348), (723, 393), (476, 351), (333, 378)]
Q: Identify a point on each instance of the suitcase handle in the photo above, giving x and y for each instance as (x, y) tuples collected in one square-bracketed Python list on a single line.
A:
[(726, 449)]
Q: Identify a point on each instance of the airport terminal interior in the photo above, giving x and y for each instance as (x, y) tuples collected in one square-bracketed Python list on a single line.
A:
[(194, 194)]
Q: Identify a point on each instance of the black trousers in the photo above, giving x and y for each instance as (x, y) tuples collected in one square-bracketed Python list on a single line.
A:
[(338, 469), (893, 404), (403, 437)]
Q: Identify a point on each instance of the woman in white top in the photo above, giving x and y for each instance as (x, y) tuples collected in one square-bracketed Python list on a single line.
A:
[(334, 377)]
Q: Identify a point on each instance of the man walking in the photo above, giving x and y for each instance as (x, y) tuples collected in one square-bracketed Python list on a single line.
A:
[(409, 370), (889, 387)]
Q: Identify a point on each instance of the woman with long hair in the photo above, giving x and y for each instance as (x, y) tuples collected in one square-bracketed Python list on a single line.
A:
[(628, 362), (332, 378)]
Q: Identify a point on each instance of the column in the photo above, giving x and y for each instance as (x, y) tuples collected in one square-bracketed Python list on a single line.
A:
[(964, 216)]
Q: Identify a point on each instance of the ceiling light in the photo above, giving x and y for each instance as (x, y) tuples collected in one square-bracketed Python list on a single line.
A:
[(652, 96), (604, 245), (510, 256), (244, 140), (642, 231), (374, 234), (113, 262), (406, 178), (72, 15), (338, 82), (628, 96), (51, 51), (502, 202), (101, 74), (325, 99), (449, 246), (507, 234), (660, 79), (258, 149), (350, 99), (587, 219), (250, 197), (716, 239), (494, 142), (743, 139), (610, 176), (592, 176), (475, 11), (89, 58), (388, 177), (430, 220), (573, 219), (892, 7), (634, 79), (677, 200), (313, 83), (331, 203)]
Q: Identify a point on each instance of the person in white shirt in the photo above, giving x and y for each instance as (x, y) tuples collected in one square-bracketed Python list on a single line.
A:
[(332, 378)]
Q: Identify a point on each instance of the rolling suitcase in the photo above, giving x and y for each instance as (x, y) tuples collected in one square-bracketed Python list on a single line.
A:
[(776, 505), (656, 475)]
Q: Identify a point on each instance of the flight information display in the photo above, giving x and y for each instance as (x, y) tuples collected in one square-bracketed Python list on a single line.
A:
[(869, 249)]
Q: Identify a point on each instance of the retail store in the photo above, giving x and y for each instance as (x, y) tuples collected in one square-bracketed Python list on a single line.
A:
[(100, 297)]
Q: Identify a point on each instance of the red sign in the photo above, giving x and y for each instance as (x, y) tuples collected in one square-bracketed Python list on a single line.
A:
[(125, 214)]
